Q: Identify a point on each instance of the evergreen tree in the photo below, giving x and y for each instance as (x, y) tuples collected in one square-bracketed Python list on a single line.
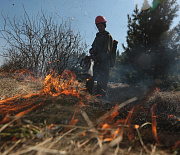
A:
[(173, 37), (144, 50), (172, 40)]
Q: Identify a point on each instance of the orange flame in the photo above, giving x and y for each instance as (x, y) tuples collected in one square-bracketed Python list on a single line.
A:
[(154, 123), (176, 144), (54, 85), (109, 135), (83, 134), (171, 116), (157, 89), (73, 120), (136, 126), (128, 122), (112, 130), (51, 126), (89, 78)]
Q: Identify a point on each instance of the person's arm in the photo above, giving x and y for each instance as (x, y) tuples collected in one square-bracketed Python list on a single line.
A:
[(108, 44), (93, 49)]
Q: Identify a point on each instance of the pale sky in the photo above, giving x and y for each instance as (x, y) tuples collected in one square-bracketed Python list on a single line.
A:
[(82, 14)]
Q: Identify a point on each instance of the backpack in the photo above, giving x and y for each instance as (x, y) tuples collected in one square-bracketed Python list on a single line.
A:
[(113, 54)]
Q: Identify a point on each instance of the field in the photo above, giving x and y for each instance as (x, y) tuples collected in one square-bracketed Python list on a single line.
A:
[(56, 115)]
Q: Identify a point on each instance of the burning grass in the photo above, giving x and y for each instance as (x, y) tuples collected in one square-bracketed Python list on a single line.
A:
[(62, 118)]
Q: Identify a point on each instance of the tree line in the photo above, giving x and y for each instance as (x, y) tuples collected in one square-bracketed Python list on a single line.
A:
[(152, 50)]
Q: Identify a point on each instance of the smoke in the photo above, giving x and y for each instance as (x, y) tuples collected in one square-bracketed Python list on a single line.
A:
[(144, 60), (173, 73)]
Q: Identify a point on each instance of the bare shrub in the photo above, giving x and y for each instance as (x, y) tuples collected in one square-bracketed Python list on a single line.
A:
[(38, 42)]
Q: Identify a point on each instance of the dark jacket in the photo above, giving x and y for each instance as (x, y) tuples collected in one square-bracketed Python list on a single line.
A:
[(102, 46)]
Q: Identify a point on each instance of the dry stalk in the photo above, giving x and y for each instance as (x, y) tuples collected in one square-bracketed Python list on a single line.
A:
[(115, 109), (142, 143), (83, 143), (116, 150), (91, 125), (89, 122), (12, 147), (2, 146), (7, 124), (153, 150), (113, 143), (46, 150), (32, 147), (72, 126), (89, 128), (60, 137)]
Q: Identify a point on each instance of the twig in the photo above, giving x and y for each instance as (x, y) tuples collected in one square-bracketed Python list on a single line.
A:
[(12, 147), (116, 150), (116, 141), (84, 143), (115, 109), (153, 150), (142, 143), (110, 145), (2, 146), (31, 148), (60, 137), (88, 128), (6, 125), (55, 11), (99, 141), (46, 150), (89, 122)]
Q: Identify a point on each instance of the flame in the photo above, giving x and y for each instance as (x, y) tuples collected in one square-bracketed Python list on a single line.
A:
[(51, 126), (54, 85), (154, 123), (66, 83), (83, 134), (89, 78), (176, 144), (109, 133), (14, 138), (128, 122), (136, 126), (105, 126), (171, 116), (157, 89), (73, 120), (110, 130)]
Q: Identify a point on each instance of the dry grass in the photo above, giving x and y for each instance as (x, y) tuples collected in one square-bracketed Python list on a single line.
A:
[(10, 87), (33, 134)]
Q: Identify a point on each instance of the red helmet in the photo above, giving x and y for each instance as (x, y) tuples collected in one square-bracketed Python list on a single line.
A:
[(100, 19)]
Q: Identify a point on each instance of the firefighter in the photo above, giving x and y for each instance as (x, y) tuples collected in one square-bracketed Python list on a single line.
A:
[(101, 48)]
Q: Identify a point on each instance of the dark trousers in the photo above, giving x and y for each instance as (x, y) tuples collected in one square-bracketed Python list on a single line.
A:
[(101, 75)]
